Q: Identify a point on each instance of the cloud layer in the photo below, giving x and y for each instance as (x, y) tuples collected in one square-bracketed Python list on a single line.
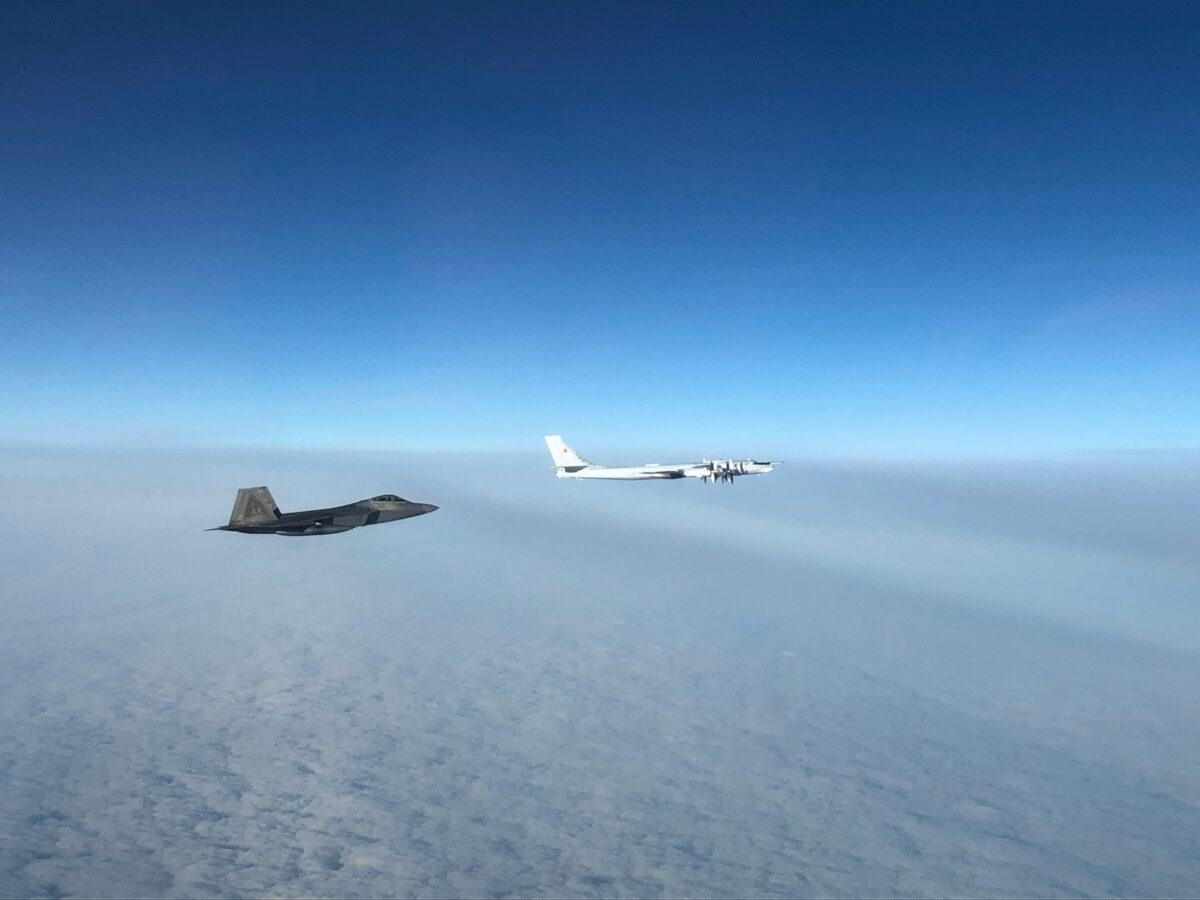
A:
[(839, 680)]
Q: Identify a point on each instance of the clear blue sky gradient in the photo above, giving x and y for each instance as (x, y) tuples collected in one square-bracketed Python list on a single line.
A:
[(751, 228)]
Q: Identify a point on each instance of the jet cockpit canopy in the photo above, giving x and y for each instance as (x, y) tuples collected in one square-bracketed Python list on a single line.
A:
[(390, 498)]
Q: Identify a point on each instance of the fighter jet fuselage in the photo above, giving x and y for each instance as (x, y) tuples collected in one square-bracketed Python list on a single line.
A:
[(569, 464), (255, 512)]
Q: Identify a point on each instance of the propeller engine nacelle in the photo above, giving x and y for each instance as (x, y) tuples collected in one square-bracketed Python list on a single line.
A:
[(728, 469)]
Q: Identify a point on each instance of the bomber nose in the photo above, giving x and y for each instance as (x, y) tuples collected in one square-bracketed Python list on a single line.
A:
[(427, 507)]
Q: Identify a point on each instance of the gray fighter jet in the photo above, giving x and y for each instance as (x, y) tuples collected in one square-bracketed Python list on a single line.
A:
[(255, 512)]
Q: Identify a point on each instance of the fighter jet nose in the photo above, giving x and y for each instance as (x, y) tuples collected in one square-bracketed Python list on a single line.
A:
[(428, 507)]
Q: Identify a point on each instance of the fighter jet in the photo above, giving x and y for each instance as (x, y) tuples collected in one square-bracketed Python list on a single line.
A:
[(255, 512), (569, 464)]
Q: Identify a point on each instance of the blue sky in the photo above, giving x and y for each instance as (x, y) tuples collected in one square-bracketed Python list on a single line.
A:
[(894, 229)]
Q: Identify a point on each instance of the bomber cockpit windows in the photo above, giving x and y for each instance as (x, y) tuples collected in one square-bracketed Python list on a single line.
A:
[(390, 498)]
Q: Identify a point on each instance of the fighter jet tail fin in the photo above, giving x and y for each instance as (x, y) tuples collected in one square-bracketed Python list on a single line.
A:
[(254, 506), (564, 457)]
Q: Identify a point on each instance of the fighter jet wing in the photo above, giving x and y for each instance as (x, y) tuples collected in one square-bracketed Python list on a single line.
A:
[(301, 526), (305, 523)]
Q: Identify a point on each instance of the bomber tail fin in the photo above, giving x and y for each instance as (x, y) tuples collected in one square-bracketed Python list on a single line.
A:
[(564, 457), (254, 506)]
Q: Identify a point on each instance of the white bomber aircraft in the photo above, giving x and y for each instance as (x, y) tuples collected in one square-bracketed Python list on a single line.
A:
[(569, 464)]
